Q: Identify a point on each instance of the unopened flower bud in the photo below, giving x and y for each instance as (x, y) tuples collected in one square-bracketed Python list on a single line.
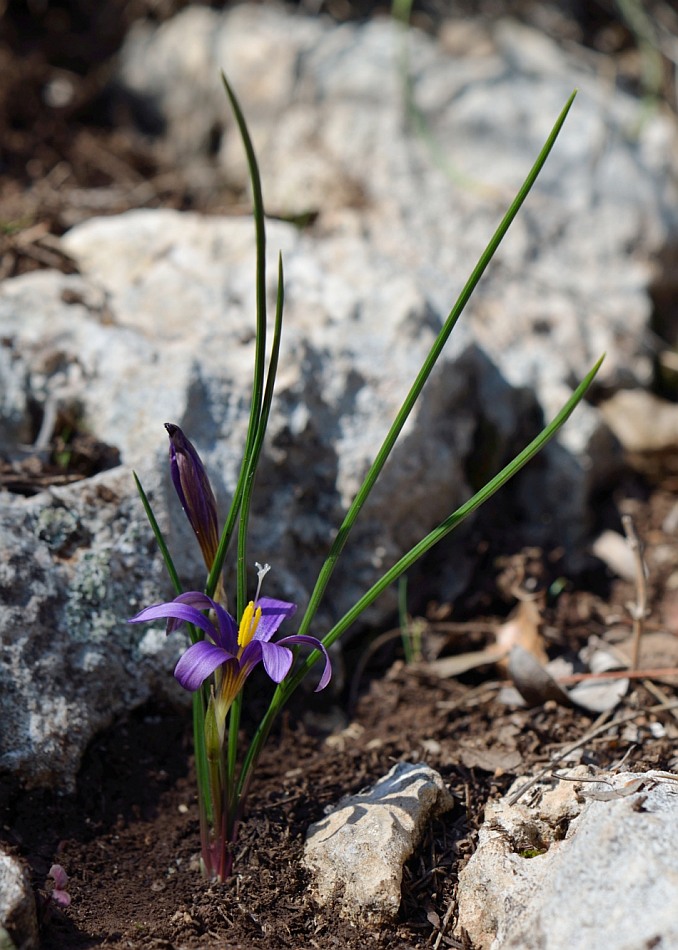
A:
[(194, 491)]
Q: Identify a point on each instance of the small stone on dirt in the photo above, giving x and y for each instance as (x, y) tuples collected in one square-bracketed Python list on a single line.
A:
[(356, 854)]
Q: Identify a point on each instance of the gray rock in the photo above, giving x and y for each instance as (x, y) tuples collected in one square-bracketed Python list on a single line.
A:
[(356, 854), (118, 349), (564, 287), (14, 411), (355, 336), (18, 918), (161, 330), (74, 563), (576, 865)]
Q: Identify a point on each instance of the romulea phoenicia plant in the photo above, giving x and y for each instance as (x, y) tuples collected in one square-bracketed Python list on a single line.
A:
[(226, 647)]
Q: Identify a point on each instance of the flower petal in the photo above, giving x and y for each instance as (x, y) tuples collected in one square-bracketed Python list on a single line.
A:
[(277, 660), (186, 608), (61, 897), (317, 645), (227, 632), (273, 612), (228, 629), (192, 598), (177, 611), (248, 659), (198, 662), (59, 876)]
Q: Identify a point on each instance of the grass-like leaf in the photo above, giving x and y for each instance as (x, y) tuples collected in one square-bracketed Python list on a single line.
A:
[(259, 362), (234, 716), (451, 522), (424, 373), (286, 688), (160, 540)]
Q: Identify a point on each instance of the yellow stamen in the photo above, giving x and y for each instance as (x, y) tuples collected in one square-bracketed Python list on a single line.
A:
[(248, 624)]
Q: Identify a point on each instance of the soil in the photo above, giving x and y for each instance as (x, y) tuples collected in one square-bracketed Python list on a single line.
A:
[(128, 836)]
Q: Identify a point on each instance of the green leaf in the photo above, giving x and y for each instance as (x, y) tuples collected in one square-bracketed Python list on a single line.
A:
[(258, 378), (451, 522), (288, 686), (285, 689), (423, 375), (160, 540)]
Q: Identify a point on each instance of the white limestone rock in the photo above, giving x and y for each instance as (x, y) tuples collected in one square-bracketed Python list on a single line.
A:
[(161, 330), (75, 562), (576, 865), (355, 335), (328, 119), (572, 278), (356, 854), (18, 917)]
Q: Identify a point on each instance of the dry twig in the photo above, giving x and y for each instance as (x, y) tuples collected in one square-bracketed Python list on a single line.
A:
[(638, 610), (591, 734)]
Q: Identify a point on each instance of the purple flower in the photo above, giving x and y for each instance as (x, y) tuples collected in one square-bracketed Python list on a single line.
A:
[(194, 491), (231, 650)]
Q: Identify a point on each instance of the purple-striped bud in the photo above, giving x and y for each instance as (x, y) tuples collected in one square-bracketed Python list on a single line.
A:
[(194, 491)]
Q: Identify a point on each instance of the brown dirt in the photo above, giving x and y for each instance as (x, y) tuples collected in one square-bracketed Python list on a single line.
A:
[(128, 837)]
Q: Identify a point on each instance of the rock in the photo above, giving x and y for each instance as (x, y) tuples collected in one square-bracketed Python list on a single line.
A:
[(356, 854), (576, 865), (614, 550), (629, 413), (116, 348), (18, 917), (357, 329), (564, 286), (599, 695), (355, 336), (74, 563)]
